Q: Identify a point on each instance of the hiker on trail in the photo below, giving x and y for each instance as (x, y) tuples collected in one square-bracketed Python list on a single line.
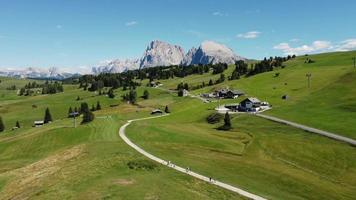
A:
[(210, 179)]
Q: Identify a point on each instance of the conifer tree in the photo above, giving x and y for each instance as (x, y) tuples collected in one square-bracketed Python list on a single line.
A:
[(2, 126), (47, 117), (17, 124), (98, 106), (92, 108), (166, 110), (146, 94), (88, 116), (70, 111), (111, 93)]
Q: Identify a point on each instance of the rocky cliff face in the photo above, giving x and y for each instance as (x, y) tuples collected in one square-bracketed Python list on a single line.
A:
[(117, 66), (160, 53), (210, 52)]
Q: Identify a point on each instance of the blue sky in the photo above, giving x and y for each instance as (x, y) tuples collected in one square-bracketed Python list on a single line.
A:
[(78, 34)]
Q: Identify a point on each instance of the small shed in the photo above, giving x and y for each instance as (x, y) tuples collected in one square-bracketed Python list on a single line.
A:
[(156, 111), (38, 123)]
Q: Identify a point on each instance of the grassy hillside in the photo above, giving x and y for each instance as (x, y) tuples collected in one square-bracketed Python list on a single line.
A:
[(272, 160), (328, 104), (57, 161)]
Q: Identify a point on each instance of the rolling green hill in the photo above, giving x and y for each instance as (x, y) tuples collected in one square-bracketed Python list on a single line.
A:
[(275, 161)]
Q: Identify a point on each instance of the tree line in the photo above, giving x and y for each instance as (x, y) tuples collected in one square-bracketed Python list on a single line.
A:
[(46, 88)]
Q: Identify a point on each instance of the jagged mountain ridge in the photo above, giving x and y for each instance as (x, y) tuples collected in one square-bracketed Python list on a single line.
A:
[(159, 53), (39, 73)]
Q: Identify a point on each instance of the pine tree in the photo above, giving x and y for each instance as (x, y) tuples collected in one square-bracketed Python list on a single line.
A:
[(92, 108), (84, 107), (111, 93), (146, 94), (166, 110), (70, 111), (227, 120), (98, 106), (180, 92), (211, 82), (17, 124), (47, 117), (2, 126), (132, 96), (88, 116)]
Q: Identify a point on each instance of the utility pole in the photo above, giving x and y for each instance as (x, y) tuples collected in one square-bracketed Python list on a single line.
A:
[(309, 76)]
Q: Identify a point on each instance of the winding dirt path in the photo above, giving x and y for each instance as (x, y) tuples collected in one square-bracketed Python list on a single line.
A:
[(181, 169)]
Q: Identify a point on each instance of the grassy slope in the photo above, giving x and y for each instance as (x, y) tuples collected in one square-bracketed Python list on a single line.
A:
[(57, 161), (267, 158), (272, 160), (330, 102)]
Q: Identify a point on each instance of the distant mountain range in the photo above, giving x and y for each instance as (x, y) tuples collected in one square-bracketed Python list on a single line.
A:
[(159, 53), (38, 73)]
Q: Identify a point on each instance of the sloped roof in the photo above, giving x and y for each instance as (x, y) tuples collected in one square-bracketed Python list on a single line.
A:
[(254, 100)]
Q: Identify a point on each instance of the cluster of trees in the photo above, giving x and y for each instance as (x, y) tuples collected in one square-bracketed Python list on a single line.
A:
[(241, 68), (114, 81), (12, 87), (210, 83), (181, 87), (84, 110), (88, 115), (268, 65), (132, 79), (219, 68), (130, 96), (46, 88), (52, 87)]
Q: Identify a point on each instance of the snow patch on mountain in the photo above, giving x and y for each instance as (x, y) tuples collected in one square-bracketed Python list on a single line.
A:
[(117, 66), (40, 73), (159, 53)]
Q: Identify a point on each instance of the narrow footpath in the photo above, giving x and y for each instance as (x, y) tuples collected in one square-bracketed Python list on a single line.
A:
[(181, 169), (310, 129)]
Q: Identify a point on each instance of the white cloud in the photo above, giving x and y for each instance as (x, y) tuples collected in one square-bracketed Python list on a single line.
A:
[(316, 47), (131, 23), (249, 35), (346, 45), (58, 26), (218, 13)]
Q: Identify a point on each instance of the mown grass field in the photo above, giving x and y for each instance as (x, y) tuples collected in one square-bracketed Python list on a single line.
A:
[(269, 159), (329, 103), (57, 161)]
